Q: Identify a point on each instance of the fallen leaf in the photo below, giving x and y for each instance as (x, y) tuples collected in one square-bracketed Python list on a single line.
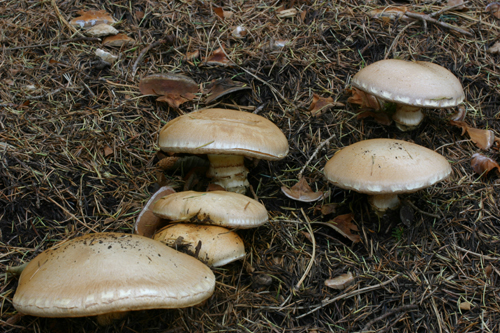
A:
[(458, 3), (223, 87), (465, 306), (321, 104), (494, 49), (340, 282), (484, 139), (460, 115), (218, 57), (173, 88), (488, 270), (494, 9), (328, 209), (90, 18), (118, 41), (192, 55), (483, 164), (363, 99), (343, 225), (139, 14), (302, 192), (390, 13), (107, 151)]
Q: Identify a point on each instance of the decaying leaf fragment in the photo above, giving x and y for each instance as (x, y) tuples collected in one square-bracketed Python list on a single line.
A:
[(364, 100), (495, 49), (90, 18), (173, 88), (343, 224), (340, 282), (381, 118), (218, 57), (484, 139), (302, 192), (483, 164), (223, 87), (222, 13), (494, 9), (319, 105), (390, 13)]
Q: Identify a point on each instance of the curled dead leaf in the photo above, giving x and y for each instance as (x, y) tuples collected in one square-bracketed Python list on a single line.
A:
[(319, 105), (460, 115), (483, 164), (218, 57), (302, 192), (484, 139), (364, 100), (494, 9), (223, 87), (343, 224), (173, 88), (340, 282)]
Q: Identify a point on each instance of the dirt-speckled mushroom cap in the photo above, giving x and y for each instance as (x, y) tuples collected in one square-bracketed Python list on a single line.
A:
[(111, 272), (220, 131), (218, 246), (382, 166), (227, 209), (416, 83)]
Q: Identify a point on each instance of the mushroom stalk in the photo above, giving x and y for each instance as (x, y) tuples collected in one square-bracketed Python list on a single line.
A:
[(229, 172), (107, 319), (382, 202), (407, 117)]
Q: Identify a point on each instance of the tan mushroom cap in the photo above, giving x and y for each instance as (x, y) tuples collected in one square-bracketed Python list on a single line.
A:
[(220, 131), (111, 272), (222, 208), (416, 83), (383, 166), (219, 246)]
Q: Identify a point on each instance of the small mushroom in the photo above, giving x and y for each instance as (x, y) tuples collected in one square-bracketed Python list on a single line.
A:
[(384, 168), (107, 274), (213, 245), (226, 136), (174, 89), (222, 208), (120, 40), (90, 18), (411, 86)]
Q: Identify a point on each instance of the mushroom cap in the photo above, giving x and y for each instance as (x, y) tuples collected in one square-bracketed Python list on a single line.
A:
[(220, 131), (111, 272), (383, 166), (219, 246), (227, 209), (416, 83), (167, 83)]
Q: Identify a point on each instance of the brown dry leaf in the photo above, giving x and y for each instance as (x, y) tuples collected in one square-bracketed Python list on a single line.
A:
[(218, 57), (488, 270), (340, 282), (302, 192), (223, 87), (320, 104), (90, 18), (363, 99), (328, 209), (173, 88), (107, 151), (494, 49), (343, 224), (303, 15), (483, 164), (139, 14), (465, 306), (193, 55), (390, 13), (494, 9), (222, 13), (176, 100), (458, 3), (484, 139), (167, 163), (118, 41), (460, 115)]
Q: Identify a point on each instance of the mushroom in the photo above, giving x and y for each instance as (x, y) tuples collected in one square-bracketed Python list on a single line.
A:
[(92, 18), (106, 274), (118, 41), (384, 168), (226, 136), (147, 222), (213, 245), (101, 30), (221, 208), (174, 89), (411, 86)]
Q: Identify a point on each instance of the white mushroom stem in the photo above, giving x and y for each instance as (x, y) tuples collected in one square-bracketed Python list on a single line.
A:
[(229, 172), (382, 202), (407, 117), (108, 318)]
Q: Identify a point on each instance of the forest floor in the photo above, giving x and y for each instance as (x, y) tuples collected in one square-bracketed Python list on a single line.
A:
[(79, 152)]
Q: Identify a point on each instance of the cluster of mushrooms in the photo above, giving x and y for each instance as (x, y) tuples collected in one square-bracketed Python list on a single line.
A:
[(77, 278)]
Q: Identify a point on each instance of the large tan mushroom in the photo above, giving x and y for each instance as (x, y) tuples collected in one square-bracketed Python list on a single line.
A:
[(215, 246), (226, 136), (384, 168), (411, 85), (109, 273), (227, 209)]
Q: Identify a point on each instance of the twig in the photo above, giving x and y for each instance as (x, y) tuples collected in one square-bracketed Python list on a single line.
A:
[(427, 18), (90, 39), (421, 211), (146, 50), (313, 254), (447, 9), (474, 253), (389, 313), (348, 295), (321, 145), (62, 19)]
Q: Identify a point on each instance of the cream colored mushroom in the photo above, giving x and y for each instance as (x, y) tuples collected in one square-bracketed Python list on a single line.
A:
[(215, 246), (226, 136), (227, 209), (411, 85), (384, 168), (108, 273)]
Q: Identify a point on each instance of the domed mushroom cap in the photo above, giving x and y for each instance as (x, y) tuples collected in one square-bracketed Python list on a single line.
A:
[(111, 272), (382, 166), (222, 208), (417, 83), (220, 131), (219, 246)]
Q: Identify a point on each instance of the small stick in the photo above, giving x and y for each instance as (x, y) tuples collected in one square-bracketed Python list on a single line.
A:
[(389, 313), (421, 211), (146, 50), (90, 39), (309, 266), (321, 145), (474, 253), (62, 19), (427, 18)]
